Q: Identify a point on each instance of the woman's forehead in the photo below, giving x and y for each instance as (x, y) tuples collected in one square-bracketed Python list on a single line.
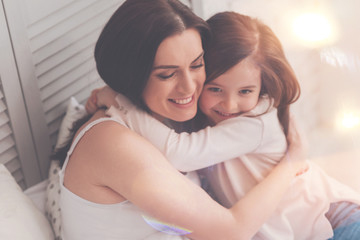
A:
[(179, 49)]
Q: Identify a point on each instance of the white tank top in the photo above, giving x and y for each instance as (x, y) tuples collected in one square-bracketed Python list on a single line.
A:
[(82, 219)]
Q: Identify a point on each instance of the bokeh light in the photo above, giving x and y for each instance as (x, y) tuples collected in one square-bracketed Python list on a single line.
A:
[(313, 28), (350, 120)]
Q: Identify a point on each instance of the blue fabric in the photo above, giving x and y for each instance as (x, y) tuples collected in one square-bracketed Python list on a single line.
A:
[(348, 232)]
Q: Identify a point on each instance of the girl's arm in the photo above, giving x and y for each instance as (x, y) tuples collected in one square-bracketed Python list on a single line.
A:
[(148, 180), (101, 98), (188, 152)]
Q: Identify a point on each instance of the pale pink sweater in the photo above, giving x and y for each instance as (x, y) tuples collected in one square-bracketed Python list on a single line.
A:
[(241, 152)]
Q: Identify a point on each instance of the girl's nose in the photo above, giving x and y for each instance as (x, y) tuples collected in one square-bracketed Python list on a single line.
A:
[(230, 105)]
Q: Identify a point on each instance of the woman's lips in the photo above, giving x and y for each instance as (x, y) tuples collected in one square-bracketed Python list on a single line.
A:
[(182, 101)]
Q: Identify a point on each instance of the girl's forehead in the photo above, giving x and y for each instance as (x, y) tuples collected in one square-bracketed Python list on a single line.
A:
[(244, 73)]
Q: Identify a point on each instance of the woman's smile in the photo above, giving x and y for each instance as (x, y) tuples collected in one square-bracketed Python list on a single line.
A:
[(183, 101)]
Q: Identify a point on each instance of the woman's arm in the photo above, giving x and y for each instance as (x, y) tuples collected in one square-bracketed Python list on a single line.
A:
[(148, 180)]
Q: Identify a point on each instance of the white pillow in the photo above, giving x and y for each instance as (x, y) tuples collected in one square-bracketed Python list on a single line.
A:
[(19, 217), (74, 112), (52, 205)]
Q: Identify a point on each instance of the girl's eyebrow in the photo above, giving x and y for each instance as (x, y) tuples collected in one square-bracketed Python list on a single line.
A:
[(219, 85), (250, 86), (174, 66)]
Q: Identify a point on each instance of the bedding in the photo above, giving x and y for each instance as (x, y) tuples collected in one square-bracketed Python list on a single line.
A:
[(37, 194), (74, 111), (46, 194), (20, 219), (52, 207)]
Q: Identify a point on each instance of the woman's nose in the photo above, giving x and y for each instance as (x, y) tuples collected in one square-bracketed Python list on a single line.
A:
[(187, 83)]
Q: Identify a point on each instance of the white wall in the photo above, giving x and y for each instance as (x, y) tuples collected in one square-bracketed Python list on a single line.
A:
[(329, 75)]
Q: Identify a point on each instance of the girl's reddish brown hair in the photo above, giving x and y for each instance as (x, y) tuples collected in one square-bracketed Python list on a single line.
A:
[(236, 37)]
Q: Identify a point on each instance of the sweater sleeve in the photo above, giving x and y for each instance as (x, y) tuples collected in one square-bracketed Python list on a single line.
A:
[(192, 151)]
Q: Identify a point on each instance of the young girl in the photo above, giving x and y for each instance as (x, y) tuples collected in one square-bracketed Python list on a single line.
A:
[(249, 88)]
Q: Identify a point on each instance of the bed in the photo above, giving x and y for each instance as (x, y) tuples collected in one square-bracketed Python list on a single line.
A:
[(34, 214), (20, 218)]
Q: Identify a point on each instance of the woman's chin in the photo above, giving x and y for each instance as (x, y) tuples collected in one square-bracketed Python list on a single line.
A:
[(176, 117), (184, 117)]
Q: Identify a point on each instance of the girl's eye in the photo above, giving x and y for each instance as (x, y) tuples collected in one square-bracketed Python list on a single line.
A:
[(214, 89), (245, 91), (164, 77)]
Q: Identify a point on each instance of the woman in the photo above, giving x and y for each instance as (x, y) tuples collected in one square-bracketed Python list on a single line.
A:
[(151, 51)]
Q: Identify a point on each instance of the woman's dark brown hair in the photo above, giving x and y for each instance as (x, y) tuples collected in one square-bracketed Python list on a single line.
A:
[(126, 48), (236, 37)]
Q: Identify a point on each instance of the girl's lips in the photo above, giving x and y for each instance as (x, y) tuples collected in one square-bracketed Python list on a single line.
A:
[(226, 115)]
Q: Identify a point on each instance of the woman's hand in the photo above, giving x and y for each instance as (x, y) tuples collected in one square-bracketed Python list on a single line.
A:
[(297, 149)]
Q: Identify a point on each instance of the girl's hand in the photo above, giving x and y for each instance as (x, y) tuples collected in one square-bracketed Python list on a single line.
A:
[(105, 97), (91, 105), (297, 149)]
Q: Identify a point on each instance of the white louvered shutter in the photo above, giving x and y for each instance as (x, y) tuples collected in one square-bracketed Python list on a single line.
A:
[(51, 44), (17, 151)]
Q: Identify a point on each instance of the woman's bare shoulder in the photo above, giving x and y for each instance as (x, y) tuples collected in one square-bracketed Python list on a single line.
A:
[(107, 155), (110, 142), (104, 143), (107, 136)]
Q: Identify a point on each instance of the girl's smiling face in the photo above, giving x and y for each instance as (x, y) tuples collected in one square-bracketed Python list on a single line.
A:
[(232, 93)]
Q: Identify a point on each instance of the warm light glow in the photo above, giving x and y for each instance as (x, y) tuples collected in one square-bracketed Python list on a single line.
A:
[(350, 120), (312, 27)]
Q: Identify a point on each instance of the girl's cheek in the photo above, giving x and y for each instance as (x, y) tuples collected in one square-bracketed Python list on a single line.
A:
[(207, 103), (203, 103)]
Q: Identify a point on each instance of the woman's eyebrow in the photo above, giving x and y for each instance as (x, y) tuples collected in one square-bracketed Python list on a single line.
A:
[(174, 66), (200, 56), (165, 67)]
